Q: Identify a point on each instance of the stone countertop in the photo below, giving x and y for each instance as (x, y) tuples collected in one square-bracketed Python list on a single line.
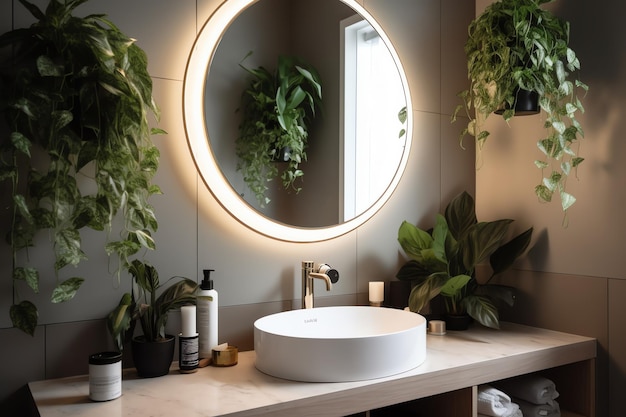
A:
[(454, 361)]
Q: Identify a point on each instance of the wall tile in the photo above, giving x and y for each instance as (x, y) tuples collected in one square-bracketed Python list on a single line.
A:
[(22, 358), (455, 17), (68, 346)]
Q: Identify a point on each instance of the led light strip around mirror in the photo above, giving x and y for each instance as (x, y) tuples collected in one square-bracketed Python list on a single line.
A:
[(193, 112)]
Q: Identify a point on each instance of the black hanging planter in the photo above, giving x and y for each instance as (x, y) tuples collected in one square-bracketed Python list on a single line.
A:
[(153, 359), (526, 103), (282, 154)]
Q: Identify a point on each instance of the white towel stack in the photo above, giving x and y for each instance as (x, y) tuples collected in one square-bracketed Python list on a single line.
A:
[(535, 395), (495, 403)]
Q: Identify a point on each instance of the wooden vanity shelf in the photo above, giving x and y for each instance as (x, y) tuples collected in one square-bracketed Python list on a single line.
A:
[(574, 382), (445, 385)]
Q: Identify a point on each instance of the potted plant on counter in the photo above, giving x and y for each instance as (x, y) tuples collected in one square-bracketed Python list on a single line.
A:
[(277, 109), (516, 47), (153, 350), (443, 260), (77, 150)]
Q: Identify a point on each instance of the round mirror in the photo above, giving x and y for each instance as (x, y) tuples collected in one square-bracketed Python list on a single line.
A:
[(358, 142)]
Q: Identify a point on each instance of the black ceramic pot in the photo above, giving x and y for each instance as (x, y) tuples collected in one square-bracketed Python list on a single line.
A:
[(457, 321), (153, 359), (526, 103)]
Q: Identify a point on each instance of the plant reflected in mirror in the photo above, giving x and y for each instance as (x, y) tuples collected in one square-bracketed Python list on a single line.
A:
[(276, 109)]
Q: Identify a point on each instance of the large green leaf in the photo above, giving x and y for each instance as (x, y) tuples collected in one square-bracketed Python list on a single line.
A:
[(145, 275), (482, 310), (503, 257), (412, 271), (66, 290), (482, 240), (29, 275), (413, 240), (67, 246), (21, 143), (440, 235), (460, 215), (422, 293), (119, 320), (496, 292), (454, 285), (24, 316)]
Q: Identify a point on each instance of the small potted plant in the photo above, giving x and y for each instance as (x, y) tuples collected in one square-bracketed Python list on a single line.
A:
[(443, 261), (517, 47), (277, 108), (153, 350)]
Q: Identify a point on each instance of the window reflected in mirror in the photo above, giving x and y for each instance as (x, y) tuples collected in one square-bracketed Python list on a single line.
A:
[(373, 106)]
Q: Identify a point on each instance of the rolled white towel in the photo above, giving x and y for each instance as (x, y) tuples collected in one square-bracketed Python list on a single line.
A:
[(533, 388), (539, 410), (495, 403), (514, 413)]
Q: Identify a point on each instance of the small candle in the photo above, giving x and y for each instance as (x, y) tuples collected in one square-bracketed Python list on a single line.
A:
[(376, 293), (188, 320)]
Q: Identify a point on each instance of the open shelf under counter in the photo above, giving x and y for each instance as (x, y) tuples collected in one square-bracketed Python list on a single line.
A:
[(445, 383)]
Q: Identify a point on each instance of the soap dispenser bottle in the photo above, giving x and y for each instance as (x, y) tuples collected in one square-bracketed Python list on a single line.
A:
[(206, 316)]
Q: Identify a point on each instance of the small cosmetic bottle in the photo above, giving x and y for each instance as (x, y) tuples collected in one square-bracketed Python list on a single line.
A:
[(188, 341)]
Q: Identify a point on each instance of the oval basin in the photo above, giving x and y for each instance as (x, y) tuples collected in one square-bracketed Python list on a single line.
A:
[(339, 344)]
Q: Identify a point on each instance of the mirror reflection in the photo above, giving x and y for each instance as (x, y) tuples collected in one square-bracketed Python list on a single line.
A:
[(356, 142)]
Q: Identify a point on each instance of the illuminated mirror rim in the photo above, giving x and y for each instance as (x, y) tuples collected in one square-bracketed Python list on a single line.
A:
[(197, 137)]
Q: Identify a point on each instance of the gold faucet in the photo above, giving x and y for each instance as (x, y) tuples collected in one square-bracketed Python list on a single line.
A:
[(311, 272)]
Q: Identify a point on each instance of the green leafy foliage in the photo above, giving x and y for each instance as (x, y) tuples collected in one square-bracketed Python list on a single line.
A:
[(145, 306), (277, 108), (516, 44), (76, 90), (443, 261)]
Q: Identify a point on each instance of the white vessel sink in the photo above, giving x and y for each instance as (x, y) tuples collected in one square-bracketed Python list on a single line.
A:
[(339, 344)]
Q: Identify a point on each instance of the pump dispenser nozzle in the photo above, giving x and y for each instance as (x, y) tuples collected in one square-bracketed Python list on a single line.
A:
[(207, 282)]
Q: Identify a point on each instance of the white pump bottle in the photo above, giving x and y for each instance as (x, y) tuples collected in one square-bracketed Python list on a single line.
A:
[(206, 316)]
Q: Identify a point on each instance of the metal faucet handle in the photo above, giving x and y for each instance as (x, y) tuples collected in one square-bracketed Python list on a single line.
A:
[(332, 273)]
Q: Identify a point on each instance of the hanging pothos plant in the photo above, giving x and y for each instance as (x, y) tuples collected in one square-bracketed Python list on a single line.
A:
[(277, 108), (76, 96), (513, 45)]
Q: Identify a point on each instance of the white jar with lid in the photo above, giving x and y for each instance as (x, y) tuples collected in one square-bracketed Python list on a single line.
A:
[(105, 376)]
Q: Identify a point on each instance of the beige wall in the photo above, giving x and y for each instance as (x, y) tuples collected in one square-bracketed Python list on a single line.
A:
[(254, 275), (573, 279)]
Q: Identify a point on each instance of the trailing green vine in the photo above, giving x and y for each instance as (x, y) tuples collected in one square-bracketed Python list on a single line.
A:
[(76, 96), (516, 44), (277, 108)]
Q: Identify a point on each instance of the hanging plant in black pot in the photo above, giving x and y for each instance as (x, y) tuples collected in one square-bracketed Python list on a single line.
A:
[(277, 109), (77, 150), (515, 46)]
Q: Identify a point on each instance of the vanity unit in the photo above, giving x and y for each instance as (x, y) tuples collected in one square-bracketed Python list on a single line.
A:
[(444, 385)]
